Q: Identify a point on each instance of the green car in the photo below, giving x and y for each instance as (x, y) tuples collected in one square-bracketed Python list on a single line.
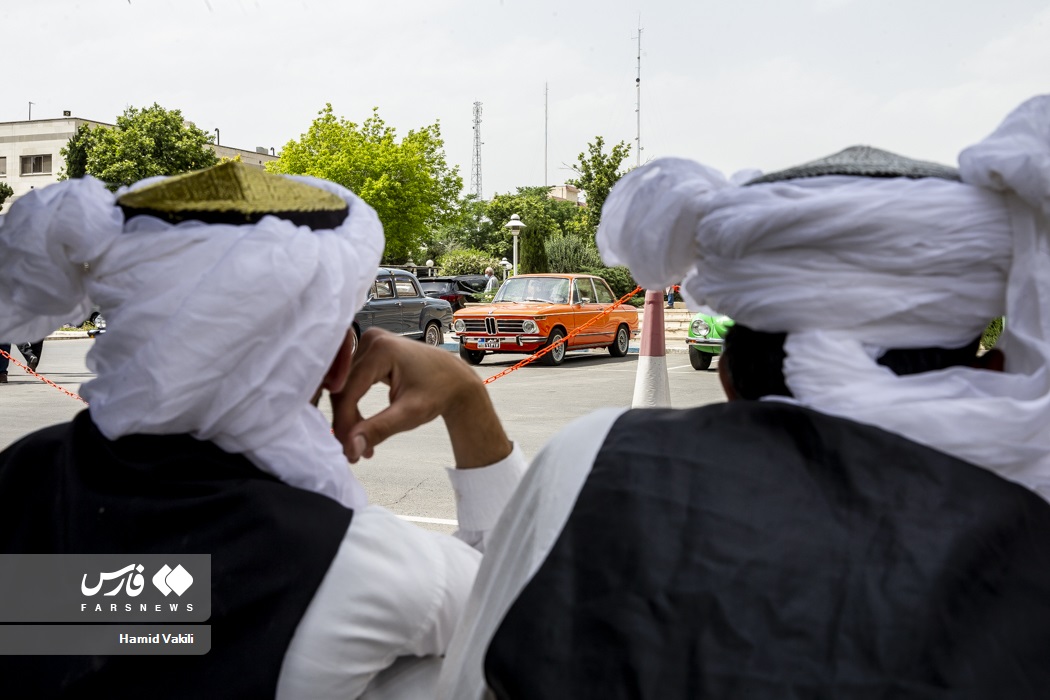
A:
[(707, 333)]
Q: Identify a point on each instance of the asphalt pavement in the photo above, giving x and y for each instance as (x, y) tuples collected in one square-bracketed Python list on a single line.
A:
[(407, 472)]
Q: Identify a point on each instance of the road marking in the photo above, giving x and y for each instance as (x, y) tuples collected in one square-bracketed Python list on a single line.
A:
[(430, 521)]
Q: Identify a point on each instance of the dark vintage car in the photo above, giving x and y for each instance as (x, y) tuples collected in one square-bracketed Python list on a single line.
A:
[(531, 312), (456, 290), (397, 303)]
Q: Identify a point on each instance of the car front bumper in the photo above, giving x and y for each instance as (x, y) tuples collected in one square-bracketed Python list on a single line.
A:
[(706, 344), (505, 343)]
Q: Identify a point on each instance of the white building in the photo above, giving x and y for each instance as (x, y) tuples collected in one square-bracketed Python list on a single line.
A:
[(566, 193), (30, 152)]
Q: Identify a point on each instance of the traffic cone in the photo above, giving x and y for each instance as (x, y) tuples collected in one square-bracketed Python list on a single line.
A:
[(651, 388)]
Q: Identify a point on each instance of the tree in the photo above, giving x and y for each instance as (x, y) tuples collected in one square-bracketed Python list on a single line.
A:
[(543, 217), (144, 143), (407, 182), (5, 192), (598, 172), (464, 229), (567, 252), (75, 153)]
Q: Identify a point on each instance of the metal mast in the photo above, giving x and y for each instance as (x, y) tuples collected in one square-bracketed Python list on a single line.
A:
[(638, 104), (546, 96), (475, 163)]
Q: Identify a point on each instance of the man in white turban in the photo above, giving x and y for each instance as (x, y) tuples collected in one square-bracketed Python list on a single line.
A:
[(867, 516), (201, 437)]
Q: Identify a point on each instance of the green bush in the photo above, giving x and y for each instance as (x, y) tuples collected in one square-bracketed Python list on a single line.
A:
[(466, 262), (991, 334), (570, 253)]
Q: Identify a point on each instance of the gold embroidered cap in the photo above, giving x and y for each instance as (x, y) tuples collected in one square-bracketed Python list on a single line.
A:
[(234, 193)]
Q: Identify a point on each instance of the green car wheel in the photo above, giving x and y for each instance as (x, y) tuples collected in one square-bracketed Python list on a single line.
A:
[(699, 359)]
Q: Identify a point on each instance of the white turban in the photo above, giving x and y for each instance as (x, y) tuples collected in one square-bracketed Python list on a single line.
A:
[(849, 267), (220, 331)]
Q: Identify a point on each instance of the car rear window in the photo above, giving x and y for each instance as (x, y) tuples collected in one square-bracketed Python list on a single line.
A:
[(439, 287), (405, 288)]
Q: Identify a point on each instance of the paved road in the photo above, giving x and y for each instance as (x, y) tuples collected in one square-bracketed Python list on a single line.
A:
[(407, 473)]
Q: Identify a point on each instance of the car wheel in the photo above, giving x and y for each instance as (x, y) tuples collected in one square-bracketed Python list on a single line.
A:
[(699, 360), (472, 357), (432, 334), (557, 355), (619, 347)]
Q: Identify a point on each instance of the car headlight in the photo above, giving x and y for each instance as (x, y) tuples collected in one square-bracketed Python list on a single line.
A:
[(700, 328), (459, 326), (530, 326)]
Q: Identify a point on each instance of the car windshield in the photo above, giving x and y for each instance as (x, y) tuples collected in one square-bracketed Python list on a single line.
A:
[(547, 290)]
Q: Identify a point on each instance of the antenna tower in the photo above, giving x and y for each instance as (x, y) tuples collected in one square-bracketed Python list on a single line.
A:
[(475, 162)]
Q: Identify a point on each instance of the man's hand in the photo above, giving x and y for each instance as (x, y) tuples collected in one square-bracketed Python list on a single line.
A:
[(424, 383)]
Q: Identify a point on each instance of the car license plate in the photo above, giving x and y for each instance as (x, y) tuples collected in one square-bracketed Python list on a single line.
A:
[(489, 343)]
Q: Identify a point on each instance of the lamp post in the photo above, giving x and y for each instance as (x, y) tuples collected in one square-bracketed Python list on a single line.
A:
[(506, 266), (515, 227)]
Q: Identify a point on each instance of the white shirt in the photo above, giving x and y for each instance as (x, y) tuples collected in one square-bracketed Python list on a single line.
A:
[(492, 284), (395, 590), (518, 544)]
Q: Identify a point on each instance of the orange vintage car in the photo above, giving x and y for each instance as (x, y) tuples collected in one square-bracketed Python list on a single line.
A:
[(530, 312)]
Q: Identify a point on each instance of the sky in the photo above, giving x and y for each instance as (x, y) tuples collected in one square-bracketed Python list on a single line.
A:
[(747, 84)]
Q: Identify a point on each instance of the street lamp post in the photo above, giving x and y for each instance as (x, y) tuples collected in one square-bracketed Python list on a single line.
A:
[(515, 227), (506, 267)]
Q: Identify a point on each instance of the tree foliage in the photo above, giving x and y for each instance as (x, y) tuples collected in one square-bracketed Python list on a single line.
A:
[(75, 153), (407, 182), (598, 172), (466, 262), (990, 336), (5, 192), (144, 143), (466, 228), (543, 217), (568, 252)]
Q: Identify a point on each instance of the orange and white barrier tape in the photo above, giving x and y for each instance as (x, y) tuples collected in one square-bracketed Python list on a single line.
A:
[(42, 378)]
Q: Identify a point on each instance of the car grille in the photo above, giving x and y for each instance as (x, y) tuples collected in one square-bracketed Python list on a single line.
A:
[(492, 325)]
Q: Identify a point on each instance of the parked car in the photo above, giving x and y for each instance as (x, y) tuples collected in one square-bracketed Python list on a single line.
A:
[(530, 312), (457, 290), (397, 303), (707, 333)]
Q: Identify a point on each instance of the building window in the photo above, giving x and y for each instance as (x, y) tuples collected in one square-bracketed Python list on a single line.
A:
[(36, 165), (3, 166)]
